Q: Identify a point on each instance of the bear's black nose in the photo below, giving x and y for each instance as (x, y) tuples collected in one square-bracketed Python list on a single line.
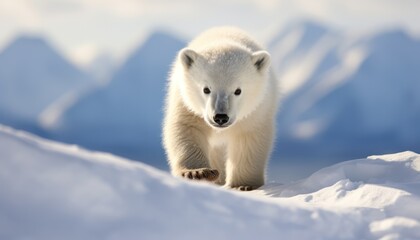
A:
[(221, 119)]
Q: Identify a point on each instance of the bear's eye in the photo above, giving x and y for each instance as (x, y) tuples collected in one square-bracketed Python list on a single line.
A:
[(238, 92), (206, 90)]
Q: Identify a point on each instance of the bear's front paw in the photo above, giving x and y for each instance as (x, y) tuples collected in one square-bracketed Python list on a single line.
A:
[(201, 173), (245, 188)]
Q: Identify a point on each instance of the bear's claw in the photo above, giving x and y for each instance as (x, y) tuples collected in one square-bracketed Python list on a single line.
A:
[(245, 188), (201, 173)]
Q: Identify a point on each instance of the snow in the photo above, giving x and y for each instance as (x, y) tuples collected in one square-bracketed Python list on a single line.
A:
[(50, 190)]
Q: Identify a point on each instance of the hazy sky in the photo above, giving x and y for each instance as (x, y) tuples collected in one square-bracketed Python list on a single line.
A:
[(83, 28)]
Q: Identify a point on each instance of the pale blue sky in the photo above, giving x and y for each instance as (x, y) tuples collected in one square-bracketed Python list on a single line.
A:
[(83, 28)]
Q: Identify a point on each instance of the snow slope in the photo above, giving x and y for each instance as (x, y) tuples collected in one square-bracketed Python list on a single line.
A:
[(49, 190)]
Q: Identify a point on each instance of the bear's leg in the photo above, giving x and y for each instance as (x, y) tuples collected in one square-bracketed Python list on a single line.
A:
[(247, 158), (217, 158), (187, 148)]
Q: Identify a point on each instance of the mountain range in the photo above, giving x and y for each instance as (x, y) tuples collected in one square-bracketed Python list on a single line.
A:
[(33, 75), (343, 96), (125, 116), (361, 97)]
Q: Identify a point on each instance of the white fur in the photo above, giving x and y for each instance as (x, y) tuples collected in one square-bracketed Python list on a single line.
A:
[(222, 59)]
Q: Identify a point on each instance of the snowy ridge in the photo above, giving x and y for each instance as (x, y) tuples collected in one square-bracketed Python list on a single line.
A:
[(50, 190)]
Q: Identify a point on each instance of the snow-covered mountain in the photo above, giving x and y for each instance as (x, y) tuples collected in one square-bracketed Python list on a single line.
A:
[(363, 98), (32, 76), (344, 96), (297, 52), (124, 117), (50, 190)]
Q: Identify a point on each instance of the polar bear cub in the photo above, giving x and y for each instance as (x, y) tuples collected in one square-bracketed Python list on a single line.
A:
[(220, 110)]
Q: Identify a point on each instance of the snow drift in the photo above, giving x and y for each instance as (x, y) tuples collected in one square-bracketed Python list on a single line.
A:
[(49, 190)]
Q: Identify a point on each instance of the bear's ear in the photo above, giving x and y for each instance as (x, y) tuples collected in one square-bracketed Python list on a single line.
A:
[(187, 57), (261, 60)]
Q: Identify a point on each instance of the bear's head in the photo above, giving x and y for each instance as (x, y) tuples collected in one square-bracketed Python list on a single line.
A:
[(223, 84)]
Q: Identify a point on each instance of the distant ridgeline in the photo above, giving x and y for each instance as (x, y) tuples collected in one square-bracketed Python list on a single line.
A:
[(341, 97), (351, 97), (33, 75)]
